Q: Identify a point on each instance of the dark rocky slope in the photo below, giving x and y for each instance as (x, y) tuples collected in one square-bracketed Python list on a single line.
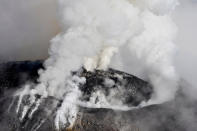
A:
[(170, 116)]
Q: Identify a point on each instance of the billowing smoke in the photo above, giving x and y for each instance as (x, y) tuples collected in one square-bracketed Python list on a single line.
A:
[(154, 47), (144, 25), (93, 30)]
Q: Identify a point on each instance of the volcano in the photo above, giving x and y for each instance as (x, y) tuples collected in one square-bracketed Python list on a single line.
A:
[(163, 117)]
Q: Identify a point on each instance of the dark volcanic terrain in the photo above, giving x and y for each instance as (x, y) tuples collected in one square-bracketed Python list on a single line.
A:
[(177, 115)]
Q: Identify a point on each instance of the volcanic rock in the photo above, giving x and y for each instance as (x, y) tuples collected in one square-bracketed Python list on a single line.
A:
[(163, 117)]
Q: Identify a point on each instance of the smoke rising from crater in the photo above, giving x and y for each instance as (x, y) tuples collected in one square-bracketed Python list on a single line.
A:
[(27, 26), (91, 26)]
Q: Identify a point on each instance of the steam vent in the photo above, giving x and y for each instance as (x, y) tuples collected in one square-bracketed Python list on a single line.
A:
[(164, 117)]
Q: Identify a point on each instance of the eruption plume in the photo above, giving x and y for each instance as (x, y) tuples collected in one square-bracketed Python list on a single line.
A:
[(92, 31)]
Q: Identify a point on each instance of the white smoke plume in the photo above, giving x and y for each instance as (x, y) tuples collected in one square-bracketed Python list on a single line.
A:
[(93, 30), (155, 48)]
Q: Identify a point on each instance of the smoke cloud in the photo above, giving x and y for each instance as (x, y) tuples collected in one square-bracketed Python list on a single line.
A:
[(89, 26), (31, 24), (93, 30)]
